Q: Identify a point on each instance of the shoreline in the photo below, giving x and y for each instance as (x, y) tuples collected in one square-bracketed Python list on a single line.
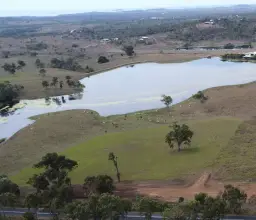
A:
[(34, 118), (34, 90)]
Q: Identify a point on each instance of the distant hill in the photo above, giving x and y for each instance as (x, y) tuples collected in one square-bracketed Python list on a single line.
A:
[(147, 13)]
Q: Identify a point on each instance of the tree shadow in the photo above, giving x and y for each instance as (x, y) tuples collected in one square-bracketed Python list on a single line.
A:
[(187, 150)]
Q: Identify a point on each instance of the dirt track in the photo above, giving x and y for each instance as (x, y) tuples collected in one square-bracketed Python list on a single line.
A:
[(171, 192)]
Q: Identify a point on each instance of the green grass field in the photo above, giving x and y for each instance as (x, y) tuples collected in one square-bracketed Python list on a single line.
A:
[(143, 154)]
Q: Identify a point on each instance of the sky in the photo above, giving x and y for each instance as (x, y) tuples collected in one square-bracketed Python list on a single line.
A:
[(54, 7)]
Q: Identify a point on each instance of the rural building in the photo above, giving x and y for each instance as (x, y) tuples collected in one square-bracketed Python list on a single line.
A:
[(143, 39), (210, 22), (105, 40), (250, 55)]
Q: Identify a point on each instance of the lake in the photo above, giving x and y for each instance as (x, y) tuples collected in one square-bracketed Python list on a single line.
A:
[(130, 89)]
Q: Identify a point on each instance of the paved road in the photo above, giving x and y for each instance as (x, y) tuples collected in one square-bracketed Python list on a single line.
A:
[(130, 216)]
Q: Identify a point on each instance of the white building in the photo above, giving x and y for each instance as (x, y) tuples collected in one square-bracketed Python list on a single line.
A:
[(143, 39), (105, 40), (250, 55)]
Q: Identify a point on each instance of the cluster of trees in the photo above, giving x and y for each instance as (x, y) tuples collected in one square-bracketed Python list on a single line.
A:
[(39, 64), (9, 192), (9, 94), (37, 46), (13, 67), (226, 57), (108, 206), (74, 84), (232, 56), (69, 64), (55, 81), (232, 46)]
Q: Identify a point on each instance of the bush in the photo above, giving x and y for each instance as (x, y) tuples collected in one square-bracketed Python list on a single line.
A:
[(200, 96), (99, 184), (181, 199), (33, 54), (174, 213), (103, 59), (232, 56), (129, 50), (2, 140), (75, 45), (10, 68), (37, 46), (252, 200), (229, 46), (68, 64), (201, 197), (9, 94), (29, 216), (234, 198)]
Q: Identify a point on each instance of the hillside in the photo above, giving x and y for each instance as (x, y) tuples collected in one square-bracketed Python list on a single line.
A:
[(221, 124)]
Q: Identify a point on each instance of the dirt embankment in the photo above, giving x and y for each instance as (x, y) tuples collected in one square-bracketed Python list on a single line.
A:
[(169, 191)]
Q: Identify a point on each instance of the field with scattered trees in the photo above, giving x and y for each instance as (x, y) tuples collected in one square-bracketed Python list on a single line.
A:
[(185, 160)]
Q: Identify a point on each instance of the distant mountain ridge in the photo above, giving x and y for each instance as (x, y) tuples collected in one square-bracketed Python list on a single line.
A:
[(137, 13)]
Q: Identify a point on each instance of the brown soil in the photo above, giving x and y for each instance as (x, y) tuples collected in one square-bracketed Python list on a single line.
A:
[(173, 190), (168, 191)]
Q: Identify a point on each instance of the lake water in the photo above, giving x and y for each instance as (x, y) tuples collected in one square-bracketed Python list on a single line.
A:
[(130, 89)]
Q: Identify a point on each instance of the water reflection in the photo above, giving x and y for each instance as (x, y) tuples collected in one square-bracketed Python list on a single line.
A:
[(76, 96), (6, 112), (62, 100)]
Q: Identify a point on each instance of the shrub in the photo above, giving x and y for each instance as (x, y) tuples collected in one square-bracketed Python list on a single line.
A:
[(229, 46), (103, 59), (232, 56), (29, 216), (129, 50), (9, 94), (252, 200), (37, 46), (200, 96), (234, 199), (2, 140), (75, 45), (99, 184)]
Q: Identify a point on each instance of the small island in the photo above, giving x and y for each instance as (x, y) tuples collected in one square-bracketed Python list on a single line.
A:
[(247, 57)]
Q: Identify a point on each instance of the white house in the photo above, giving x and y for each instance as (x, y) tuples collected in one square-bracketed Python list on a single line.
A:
[(210, 22), (105, 40), (143, 39), (250, 55)]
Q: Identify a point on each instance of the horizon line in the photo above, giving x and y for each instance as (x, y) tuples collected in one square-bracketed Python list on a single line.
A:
[(74, 12)]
